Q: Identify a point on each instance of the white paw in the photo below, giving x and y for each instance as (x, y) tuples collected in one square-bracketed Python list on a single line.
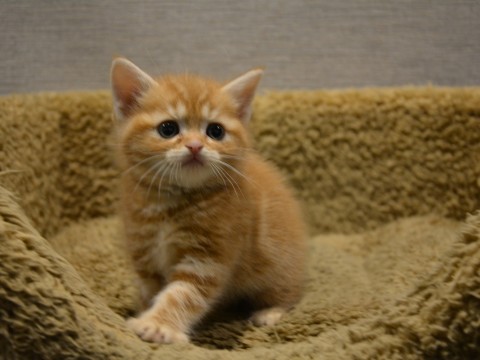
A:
[(150, 330), (267, 317)]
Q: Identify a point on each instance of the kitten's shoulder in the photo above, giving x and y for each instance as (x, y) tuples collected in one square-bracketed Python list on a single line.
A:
[(263, 171)]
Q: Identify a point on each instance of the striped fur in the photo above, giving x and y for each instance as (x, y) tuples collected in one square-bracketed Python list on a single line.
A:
[(202, 226)]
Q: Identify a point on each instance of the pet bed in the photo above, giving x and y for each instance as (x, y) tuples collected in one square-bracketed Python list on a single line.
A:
[(390, 184)]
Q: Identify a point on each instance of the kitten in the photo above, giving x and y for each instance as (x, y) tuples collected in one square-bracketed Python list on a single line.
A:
[(206, 219)]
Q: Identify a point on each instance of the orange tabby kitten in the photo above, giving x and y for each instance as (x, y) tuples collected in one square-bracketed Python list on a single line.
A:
[(206, 219)]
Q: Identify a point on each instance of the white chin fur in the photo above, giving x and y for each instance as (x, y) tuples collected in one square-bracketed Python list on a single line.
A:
[(194, 176)]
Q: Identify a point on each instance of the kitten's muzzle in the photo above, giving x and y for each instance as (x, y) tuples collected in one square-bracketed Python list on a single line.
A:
[(193, 162), (194, 158)]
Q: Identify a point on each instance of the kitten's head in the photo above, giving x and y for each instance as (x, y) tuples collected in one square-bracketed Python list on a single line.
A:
[(182, 131)]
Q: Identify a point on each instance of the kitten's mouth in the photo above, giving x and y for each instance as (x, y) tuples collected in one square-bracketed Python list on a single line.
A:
[(193, 161)]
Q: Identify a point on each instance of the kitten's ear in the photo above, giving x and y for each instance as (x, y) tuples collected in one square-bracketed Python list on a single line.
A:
[(129, 83), (242, 90)]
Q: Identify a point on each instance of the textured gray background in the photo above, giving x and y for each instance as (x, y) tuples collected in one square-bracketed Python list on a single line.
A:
[(68, 45)]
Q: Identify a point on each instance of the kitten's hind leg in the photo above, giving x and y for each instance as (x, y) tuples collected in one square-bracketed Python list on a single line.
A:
[(268, 316), (273, 303)]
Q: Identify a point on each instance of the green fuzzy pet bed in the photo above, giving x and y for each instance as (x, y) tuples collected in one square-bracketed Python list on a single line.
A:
[(390, 183)]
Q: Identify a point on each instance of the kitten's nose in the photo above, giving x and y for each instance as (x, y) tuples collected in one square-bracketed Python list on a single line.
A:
[(194, 146)]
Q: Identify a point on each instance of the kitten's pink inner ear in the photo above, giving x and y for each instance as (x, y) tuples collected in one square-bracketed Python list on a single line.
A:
[(129, 83), (242, 90)]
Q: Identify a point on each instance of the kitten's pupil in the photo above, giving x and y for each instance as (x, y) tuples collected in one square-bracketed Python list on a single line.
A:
[(168, 129), (215, 131)]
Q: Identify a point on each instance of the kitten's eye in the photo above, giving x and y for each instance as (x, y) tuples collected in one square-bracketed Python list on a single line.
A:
[(168, 129), (215, 131)]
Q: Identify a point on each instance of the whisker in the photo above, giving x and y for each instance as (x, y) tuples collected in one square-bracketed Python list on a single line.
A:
[(161, 180), (217, 173), (150, 169), (234, 170), (232, 185), (140, 163), (171, 172), (161, 169), (234, 181), (177, 171), (237, 157), (231, 180)]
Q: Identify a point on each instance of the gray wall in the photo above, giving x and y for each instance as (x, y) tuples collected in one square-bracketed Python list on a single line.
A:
[(68, 45)]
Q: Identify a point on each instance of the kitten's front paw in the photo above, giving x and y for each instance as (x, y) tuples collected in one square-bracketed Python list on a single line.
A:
[(151, 330), (267, 317)]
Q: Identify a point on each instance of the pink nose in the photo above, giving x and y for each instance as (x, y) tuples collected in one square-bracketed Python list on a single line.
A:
[(194, 146)]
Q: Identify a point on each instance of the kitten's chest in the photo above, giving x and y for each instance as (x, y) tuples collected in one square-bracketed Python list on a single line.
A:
[(159, 254), (151, 239)]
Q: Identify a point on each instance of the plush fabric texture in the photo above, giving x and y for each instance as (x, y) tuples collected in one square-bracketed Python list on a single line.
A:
[(390, 182)]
